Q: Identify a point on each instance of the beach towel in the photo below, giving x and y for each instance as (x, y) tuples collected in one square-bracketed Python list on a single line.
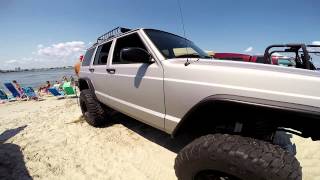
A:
[(15, 93)]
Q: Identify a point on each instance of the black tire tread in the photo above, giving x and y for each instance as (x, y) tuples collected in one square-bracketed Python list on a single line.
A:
[(264, 160), (96, 114)]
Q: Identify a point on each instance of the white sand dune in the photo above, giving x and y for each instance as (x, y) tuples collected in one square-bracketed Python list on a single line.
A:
[(50, 140)]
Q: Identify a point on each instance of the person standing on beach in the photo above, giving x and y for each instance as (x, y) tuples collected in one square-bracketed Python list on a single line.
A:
[(77, 65)]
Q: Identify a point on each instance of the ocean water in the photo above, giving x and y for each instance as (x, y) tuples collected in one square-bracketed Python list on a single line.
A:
[(35, 78)]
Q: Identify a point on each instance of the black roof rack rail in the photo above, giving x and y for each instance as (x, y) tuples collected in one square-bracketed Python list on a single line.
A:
[(112, 33)]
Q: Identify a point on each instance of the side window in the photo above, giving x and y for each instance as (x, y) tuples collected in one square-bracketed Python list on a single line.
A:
[(87, 58), (101, 57), (132, 40)]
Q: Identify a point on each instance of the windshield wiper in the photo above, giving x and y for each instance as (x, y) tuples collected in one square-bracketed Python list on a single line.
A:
[(196, 55)]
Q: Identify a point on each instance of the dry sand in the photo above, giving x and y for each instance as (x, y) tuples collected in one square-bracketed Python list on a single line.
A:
[(50, 140)]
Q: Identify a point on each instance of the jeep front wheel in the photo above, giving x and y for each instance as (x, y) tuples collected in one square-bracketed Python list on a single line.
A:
[(91, 109), (232, 157)]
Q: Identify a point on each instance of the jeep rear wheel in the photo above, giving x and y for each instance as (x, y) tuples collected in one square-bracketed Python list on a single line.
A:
[(234, 157), (91, 109)]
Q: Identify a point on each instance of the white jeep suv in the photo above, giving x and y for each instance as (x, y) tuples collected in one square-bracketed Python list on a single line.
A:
[(232, 109)]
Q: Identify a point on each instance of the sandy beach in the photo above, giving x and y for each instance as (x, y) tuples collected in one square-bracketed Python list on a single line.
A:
[(50, 140)]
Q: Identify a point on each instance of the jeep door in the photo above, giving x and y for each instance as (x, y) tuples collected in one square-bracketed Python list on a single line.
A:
[(99, 74), (135, 89)]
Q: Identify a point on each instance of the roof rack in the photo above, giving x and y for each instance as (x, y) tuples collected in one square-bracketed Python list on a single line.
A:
[(112, 33)]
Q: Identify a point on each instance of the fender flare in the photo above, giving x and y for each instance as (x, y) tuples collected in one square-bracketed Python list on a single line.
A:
[(312, 111), (89, 83)]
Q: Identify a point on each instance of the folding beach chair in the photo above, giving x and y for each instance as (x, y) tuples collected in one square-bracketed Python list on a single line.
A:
[(15, 93), (68, 89), (56, 93), (29, 92), (3, 95)]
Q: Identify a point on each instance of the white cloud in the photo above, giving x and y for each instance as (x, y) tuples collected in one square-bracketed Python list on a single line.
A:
[(55, 55), (64, 49), (316, 42), (10, 61), (249, 49)]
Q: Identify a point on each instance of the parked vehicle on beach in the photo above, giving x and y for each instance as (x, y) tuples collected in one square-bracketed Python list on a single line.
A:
[(232, 109), (233, 57), (277, 60)]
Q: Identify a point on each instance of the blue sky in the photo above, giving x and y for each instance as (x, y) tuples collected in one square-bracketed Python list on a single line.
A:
[(38, 33)]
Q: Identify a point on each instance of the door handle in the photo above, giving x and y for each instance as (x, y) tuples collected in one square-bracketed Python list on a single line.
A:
[(91, 70), (111, 71)]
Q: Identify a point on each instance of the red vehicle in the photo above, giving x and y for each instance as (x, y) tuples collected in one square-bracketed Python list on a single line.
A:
[(233, 56), (277, 60)]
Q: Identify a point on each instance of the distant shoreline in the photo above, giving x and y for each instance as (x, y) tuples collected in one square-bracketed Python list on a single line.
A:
[(35, 70), (36, 78)]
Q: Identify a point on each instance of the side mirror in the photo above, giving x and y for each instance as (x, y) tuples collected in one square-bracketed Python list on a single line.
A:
[(135, 54)]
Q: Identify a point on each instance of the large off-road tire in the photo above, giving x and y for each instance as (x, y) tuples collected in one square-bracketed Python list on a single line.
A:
[(92, 110), (223, 156)]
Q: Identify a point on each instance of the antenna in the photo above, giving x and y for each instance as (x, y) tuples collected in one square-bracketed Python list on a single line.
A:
[(184, 32)]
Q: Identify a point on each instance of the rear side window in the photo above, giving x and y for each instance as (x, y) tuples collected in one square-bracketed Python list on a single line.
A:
[(101, 57), (87, 58)]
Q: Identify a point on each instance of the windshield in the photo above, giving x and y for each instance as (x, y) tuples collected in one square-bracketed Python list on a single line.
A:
[(288, 62), (314, 53), (173, 46), (315, 58)]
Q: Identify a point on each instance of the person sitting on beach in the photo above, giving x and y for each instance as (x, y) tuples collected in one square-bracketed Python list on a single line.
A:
[(18, 87), (44, 88), (72, 80), (57, 85), (40, 89), (64, 79), (48, 85)]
